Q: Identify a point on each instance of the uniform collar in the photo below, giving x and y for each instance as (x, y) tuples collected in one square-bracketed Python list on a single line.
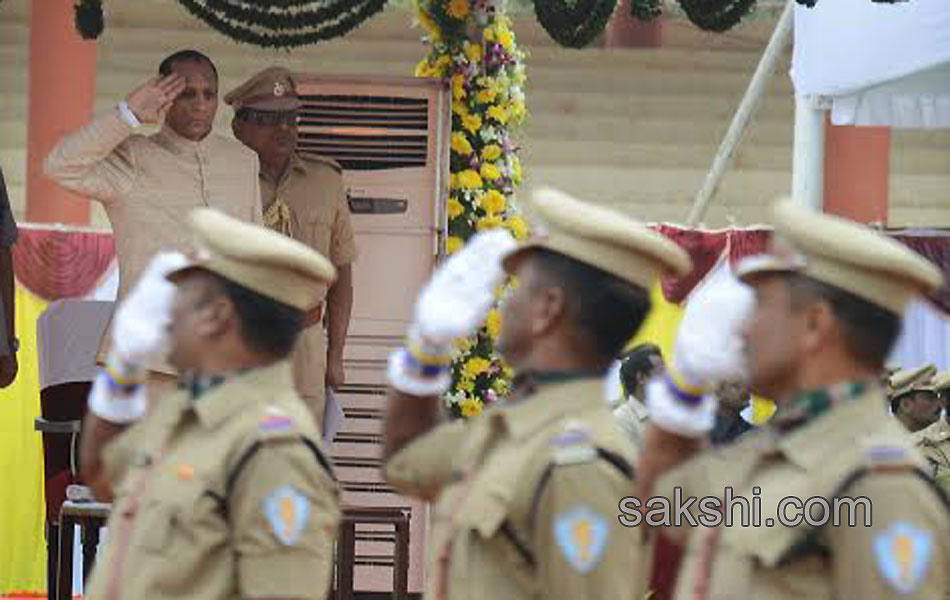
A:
[(295, 164), (181, 144), (811, 404), (810, 443), (936, 431), (219, 403), (554, 396)]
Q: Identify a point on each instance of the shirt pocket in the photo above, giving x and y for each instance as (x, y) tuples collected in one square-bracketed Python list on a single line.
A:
[(184, 519), (490, 557)]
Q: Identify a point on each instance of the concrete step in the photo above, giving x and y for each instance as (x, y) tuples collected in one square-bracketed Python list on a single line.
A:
[(743, 198), (120, 71)]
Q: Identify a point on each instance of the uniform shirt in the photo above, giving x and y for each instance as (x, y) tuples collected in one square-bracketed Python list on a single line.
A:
[(8, 236), (934, 443), (526, 499), (225, 495), (851, 448), (149, 184), (309, 204)]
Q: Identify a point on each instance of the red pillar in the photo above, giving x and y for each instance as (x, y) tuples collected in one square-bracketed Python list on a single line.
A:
[(624, 31), (857, 172), (62, 94)]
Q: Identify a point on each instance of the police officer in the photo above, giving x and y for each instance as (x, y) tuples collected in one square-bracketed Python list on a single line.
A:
[(934, 441), (221, 490), (914, 399), (303, 197), (827, 309), (526, 494)]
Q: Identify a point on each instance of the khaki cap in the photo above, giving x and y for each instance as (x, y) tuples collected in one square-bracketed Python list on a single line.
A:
[(259, 259), (912, 380), (271, 89), (601, 238), (846, 255), (941, 381)]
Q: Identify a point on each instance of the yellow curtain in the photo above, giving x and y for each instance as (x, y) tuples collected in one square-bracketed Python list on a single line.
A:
[(22, 508), (660, 329)]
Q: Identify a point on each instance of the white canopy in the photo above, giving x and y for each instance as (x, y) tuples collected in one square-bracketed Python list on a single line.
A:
[(880, 63)]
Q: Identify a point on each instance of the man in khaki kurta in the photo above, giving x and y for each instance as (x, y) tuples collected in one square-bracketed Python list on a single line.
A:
[(828, 306), (525, 496), (149, 183), (222, 490), (934, 441), (303, 197)]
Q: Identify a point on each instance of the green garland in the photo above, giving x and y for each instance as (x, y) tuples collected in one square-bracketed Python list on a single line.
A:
[(716, 15), (88, 19), (265, 23), (574, 23), (283, 23), (812, 3), (646, 10)]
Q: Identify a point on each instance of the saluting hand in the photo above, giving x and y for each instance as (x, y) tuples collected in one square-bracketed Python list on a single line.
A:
[(150, 101)]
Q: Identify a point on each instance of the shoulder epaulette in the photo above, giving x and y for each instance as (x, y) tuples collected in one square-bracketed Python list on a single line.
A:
[(324, 160)]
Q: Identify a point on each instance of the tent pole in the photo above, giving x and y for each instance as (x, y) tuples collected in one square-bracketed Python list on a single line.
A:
[(808, 158), (754, 94)]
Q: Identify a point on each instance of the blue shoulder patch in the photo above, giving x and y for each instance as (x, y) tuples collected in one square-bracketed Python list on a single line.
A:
[(582, 536)]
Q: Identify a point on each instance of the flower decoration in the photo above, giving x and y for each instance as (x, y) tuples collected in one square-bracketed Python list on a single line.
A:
[(472, 47)]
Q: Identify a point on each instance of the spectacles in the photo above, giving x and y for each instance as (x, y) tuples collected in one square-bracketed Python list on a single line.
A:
[(270, 117)]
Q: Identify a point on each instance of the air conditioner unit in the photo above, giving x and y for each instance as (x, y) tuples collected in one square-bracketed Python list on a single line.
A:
[(392, 137)]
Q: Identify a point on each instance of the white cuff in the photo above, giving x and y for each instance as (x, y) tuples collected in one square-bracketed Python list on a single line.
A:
[(409, 381), (126, 114), (672, 414), (116, 403)]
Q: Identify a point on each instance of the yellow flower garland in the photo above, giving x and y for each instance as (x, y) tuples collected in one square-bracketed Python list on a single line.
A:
[(472, 46)]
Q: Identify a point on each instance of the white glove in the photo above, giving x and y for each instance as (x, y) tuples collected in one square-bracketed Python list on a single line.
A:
[(708, 350), (454, 302), (117, 403), (709, 346), (462, 291), (140, 327)]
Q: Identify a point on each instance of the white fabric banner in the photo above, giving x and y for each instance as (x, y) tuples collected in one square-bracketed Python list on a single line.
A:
[(842, 46), (881, 64)]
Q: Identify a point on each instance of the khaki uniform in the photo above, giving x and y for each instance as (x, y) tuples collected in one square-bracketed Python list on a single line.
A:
[(631, 418), (309, 204), (934, 443), (526, 499), (149, 184), (224, 495), (856, 449)]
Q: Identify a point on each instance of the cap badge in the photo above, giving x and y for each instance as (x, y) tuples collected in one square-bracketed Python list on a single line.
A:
[(279, 88)]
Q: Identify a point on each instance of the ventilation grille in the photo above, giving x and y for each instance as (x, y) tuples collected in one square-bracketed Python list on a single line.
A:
[(366, 132)]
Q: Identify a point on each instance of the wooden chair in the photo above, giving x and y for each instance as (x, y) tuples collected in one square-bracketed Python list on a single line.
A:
[(368, 525)]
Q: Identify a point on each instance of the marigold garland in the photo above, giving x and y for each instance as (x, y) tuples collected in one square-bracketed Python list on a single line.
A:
[(471, 46)]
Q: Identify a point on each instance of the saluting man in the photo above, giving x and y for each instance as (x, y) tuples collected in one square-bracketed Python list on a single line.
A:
[(148, 184), (525, 495), (304, 198), (827, 307), (222, 489)]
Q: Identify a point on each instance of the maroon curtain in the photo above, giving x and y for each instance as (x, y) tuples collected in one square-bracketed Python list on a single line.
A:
[(56, 264), (937, 250), (706, 247)]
